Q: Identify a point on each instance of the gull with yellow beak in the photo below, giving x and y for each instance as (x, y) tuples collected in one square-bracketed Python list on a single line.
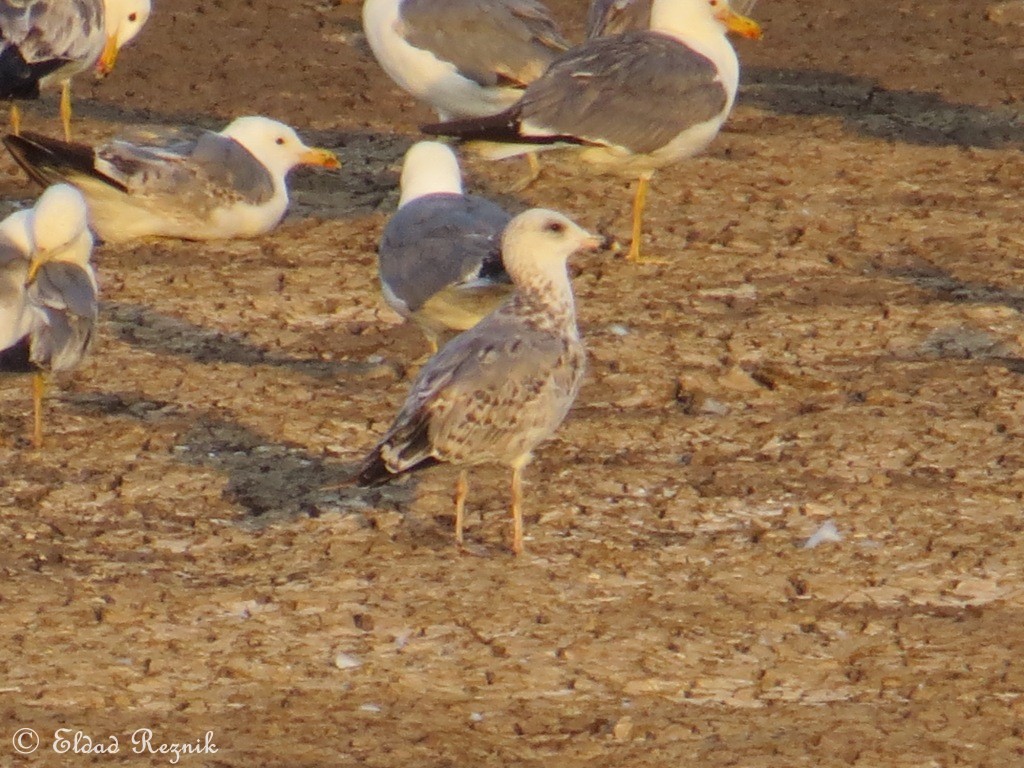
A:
[(43, 42), (48, 291), (629, 103), (222, 185)]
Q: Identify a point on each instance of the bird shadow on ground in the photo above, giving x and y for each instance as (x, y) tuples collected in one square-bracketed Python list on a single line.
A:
[(944, 286), (962, 342), (865, 107), (958, 341), (276, 483), (153, 331), (272, 481)]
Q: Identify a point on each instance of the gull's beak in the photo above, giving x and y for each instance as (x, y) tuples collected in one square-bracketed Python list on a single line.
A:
[(592, 243), (741, 25), (108, 58), (321, 157)]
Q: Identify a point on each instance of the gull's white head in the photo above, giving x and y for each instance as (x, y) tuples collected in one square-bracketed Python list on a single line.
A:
[(537, 243), (692, 16), (276, 145), (430, 168), (122, 21), (60, 227)]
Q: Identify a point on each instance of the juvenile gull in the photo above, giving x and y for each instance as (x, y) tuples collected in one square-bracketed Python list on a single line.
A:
[(50, 41), (440, 254), (465, 58), (48, 290), (630, 103), (610, 17), (495, 392), (221, 185)]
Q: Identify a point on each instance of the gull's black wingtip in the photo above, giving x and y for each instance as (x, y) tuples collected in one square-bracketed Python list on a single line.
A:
[(26, 150), (502, 127), (373, 471), (47, 160)]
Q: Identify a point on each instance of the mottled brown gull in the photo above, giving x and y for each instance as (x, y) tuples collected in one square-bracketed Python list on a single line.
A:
[(48, 290), (440, 253), (50, 41), (221, 185), (629, 103), (495, 392)]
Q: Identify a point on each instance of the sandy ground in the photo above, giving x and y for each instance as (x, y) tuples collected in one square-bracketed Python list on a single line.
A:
[(838, 338)]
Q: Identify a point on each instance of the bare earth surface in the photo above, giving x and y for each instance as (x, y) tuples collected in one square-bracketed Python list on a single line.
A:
[(838, 337)]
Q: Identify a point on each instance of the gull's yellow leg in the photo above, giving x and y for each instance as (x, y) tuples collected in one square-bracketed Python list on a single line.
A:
[(639, 200), (461, 489), (517, 509), (15, 119), (65, 108), (38, 389)]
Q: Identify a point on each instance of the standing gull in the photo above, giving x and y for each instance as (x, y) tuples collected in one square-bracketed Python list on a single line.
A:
[(221, 185), (495, 392), (440, 254), (50, 41), (48, 291), (630, 103)]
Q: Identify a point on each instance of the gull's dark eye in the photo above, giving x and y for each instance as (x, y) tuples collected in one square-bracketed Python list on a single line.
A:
[(280, 141), (556, 227), (133, 16)]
